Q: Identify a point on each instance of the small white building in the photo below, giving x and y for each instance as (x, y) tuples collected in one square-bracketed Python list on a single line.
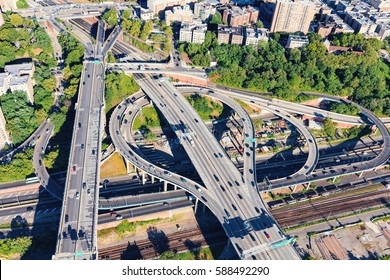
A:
[(146, 14), (297, 41), (315, 125)]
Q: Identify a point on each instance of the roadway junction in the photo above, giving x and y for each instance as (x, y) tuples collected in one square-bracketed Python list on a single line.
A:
[(233, 197)]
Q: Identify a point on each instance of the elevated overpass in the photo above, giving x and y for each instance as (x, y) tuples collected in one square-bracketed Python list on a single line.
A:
[(77, 232), (40, 170), (275, 106), (246, 225)]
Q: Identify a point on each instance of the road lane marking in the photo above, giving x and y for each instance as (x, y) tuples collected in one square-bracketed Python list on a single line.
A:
[(38, 212), (46, 211), (24, 214), (6, 218), (31, 213), (53, 210)]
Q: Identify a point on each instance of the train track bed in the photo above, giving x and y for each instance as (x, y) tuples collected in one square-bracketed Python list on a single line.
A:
[(158, 242), (331, 206)]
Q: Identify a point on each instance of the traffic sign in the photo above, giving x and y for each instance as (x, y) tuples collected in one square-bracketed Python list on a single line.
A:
[(78, 254), (96, 61)]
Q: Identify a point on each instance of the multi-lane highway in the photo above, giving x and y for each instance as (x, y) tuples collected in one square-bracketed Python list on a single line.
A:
[(251, 230), (77, 232)]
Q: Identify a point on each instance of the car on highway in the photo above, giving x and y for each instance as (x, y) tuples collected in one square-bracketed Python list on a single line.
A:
[(165, 203), (77, 195), (74, 168), (30, 209), (239, 196), (226, 220), (199, 189), (82, 146), (119, 217), (183, 180), (113, 214), (79, 125), (89, 191), (267, 235), (84, 186), (222, 188)]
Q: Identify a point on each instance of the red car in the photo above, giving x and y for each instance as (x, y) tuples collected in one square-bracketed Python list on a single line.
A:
[(267, 235), (74, 168)]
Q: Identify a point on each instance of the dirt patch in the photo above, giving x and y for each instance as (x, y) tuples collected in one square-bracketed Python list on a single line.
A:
[(185, 220), (114, 166)]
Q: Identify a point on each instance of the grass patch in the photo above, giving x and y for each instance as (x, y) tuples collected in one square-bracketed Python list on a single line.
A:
[(21, 4), (201, 254), (126, 227), (205, 107), (114, 166), (246, 107), (147, 119)]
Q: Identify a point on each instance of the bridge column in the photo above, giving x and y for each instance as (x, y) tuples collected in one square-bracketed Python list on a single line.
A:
[(175, 188), (129, 166), (165, 186), (307, 185), (294, 189), (361, 174), (143, 177), (204, 208), (334, 179), (152, 179), (196, 205)]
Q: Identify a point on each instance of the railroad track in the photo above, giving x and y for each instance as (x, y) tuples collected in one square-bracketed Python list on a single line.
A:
[(179, 241), (84, 26), (330, 207)]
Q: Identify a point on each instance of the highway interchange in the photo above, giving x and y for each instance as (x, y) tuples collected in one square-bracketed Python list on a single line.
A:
[(232, 197)]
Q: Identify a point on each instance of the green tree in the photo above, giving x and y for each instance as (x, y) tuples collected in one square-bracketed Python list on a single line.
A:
[(16, 20), (216, 18), (22, 4), (260, 24), (126, 14), (19, 114), (329, 127), (110, 17)]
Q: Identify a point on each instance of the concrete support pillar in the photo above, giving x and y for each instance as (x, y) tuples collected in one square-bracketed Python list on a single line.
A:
[(307, 185), (175, 188), (129, 167), (196, 205), (204, 208), (361, 174), (295, 188), (152, 179), (334, 179), (143, 177), (165, 186)]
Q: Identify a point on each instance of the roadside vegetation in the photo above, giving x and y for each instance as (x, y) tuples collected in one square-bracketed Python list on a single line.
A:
[(19, 168), (22, 4), (140, 31), (118, 87), (205, 107), (147, 119), (125, 228), (286, 72), (197, 254)]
